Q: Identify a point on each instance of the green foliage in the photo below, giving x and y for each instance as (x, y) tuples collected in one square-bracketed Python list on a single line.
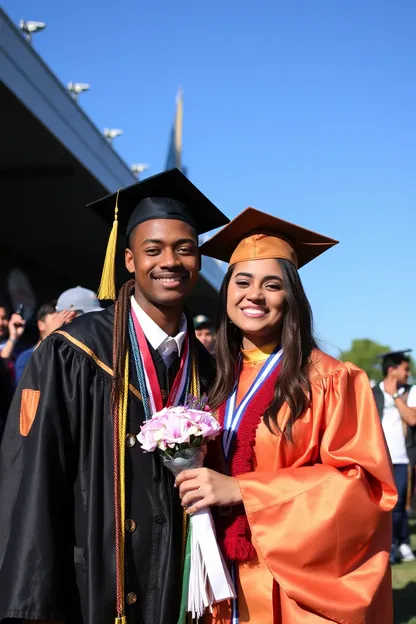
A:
[(363, 352)]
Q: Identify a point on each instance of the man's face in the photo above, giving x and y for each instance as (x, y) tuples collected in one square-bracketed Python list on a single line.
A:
[(206, 336), (164, 257), (4, 324), (402, 373)]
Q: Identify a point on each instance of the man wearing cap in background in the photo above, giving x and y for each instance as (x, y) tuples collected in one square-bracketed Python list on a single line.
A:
[(92, 527), (204, 331), (396, 404), (78, 299), (53, 315)]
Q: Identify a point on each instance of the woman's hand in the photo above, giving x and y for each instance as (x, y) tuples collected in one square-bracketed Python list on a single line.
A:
[(202, 488)]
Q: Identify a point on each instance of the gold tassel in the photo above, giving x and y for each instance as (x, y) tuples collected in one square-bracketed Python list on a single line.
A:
[(107, 289), (120, 620)]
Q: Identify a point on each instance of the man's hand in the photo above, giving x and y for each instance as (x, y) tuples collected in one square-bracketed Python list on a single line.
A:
[(390, 386), (61, 318)]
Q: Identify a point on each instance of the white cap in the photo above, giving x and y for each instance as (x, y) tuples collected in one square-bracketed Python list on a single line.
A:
[(79, 299)]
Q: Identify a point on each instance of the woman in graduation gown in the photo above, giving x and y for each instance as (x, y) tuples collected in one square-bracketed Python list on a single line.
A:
[(304, 513)]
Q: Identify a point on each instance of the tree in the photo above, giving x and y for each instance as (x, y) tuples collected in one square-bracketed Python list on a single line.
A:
[(363, 352)]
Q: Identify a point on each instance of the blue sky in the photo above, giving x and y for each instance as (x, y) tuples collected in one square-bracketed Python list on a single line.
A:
[(305, 109)]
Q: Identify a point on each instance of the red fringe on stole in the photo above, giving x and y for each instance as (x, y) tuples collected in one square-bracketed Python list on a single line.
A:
[(233, 530)]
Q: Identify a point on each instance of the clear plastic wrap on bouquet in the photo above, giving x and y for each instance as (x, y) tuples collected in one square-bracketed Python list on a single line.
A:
[(186, 459), (208, 577), (180, 433)]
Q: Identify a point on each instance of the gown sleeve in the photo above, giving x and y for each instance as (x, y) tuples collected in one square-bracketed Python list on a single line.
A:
[(37, 472), (324, 530)]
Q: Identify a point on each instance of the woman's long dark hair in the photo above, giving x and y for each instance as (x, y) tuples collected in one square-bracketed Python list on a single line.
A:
[(297, 342)]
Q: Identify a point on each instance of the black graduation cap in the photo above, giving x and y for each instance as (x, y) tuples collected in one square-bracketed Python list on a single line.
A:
[(168, 195), (402, 352), (202, 321)]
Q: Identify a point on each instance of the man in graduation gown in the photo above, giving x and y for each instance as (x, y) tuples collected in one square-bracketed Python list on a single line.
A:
[(59, 509)]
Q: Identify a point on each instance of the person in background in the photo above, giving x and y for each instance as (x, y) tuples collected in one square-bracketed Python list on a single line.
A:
[(48, 320), (4, 324), (396, 405), (79, 300), (11, 329), (205, 332)]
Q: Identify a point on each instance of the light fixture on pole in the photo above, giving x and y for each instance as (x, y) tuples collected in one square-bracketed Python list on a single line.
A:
[(75, 88), (112, 133), (30, 27), (138, 168)]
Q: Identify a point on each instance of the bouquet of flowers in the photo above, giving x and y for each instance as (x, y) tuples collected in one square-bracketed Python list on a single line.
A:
[(180, 434)]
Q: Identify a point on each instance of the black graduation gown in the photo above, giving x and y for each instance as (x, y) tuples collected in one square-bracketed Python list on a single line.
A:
[(57, 557)]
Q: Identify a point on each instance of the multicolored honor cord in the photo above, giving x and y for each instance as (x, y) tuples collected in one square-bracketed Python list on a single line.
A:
[(186, 382)]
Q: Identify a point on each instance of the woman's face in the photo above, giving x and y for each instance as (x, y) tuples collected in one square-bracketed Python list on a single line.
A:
[(255, 299)]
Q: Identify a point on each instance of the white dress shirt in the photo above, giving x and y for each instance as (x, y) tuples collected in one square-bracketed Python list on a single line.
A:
[(159, 339), (392, 424)]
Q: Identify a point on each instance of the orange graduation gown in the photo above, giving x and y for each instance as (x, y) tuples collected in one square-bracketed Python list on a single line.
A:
[(318, 508)]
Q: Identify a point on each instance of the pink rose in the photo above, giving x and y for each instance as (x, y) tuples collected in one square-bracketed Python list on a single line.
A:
[(178, 430), (147, 440), (174, 426), (209, 427), (149, 432)]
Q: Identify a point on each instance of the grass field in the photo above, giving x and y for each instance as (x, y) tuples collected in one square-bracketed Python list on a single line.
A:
[(404, 588)]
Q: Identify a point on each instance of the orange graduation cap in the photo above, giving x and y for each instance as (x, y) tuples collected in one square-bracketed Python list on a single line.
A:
[(256, 235)]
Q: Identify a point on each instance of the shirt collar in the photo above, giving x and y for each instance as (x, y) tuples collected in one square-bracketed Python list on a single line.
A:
[(158, 338)]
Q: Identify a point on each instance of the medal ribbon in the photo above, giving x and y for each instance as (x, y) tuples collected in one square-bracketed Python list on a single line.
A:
[(233, 417), (232, 420)]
